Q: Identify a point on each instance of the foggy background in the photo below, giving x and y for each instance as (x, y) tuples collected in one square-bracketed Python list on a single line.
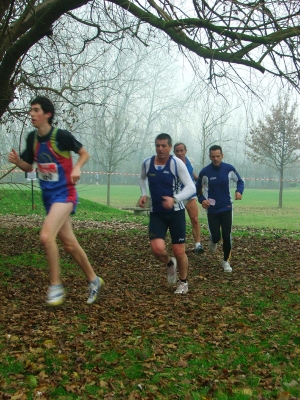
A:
[(115, 99)]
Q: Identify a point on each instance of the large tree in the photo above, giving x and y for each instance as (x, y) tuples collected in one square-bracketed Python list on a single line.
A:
[(263, 35), (275, 141)]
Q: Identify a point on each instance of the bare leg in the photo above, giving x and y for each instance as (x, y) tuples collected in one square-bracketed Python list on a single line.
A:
[(57, 223), (192, 209), (159, 250), (72, 246), (57, 216), (182, 260)]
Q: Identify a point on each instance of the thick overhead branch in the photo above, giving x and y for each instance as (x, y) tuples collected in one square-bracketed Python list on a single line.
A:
[(262, 35), (19, 38)]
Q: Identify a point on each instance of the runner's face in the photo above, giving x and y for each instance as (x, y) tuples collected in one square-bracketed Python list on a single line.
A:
[(38, 116), (163, 149), (180, 152), (216, 157)]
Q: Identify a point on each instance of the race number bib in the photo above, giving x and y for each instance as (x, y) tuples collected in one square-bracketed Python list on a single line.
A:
[(48, 172)]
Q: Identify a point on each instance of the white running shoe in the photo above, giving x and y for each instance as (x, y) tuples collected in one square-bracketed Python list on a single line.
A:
[(172, 275), (94, 290), (55, 295), (226, 266), (182, 288), (212, 246)]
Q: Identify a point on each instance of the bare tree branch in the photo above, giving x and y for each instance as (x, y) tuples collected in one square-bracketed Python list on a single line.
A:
[(261, 35)]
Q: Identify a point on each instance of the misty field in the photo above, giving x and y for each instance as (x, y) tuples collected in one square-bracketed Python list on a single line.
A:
[(258, 209)]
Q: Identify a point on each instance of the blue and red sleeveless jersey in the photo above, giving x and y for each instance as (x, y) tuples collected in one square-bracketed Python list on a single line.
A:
[(54, 168)]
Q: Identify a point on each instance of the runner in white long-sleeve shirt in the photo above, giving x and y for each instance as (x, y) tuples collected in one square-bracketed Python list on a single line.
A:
[(165, 175)]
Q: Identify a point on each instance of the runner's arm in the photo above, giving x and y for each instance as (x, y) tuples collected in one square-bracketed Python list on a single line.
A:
[(143, 179), (189, 186), (76, 171), (14, 158)]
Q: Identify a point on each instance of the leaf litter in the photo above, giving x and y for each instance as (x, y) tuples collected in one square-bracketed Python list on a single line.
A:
[(140, 340)]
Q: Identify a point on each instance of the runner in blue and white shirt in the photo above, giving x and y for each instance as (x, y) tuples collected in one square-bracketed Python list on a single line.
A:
[(213, 191), (165, 175)]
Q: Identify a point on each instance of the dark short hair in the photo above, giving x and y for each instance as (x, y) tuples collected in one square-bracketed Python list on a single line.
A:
[(164, 136), (178, 144), (46, 105), (215, 147)]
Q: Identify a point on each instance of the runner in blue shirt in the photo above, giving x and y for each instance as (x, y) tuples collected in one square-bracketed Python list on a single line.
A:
[(213, 191), (164, 174)]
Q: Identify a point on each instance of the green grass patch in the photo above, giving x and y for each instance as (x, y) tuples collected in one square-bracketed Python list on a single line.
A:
[(258, 209)]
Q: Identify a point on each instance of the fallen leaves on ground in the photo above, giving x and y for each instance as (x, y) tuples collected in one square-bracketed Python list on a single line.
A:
[(79, 347)]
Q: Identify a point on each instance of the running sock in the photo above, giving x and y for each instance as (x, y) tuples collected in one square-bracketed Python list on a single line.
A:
[(170, 263), (59, 286), (182, 280), (95, 281), (197, 244)]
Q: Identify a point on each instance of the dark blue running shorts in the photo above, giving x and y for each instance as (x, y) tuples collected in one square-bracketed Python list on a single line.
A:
[(160, 222)]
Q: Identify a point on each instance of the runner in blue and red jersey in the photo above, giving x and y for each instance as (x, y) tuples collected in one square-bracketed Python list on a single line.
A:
[(50, 148)]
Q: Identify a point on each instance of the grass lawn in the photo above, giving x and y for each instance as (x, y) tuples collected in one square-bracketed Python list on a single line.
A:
[(258, 209)]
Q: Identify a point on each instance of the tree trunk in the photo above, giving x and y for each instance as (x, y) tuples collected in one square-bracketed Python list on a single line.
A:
[(108, 190), (280, 189)]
